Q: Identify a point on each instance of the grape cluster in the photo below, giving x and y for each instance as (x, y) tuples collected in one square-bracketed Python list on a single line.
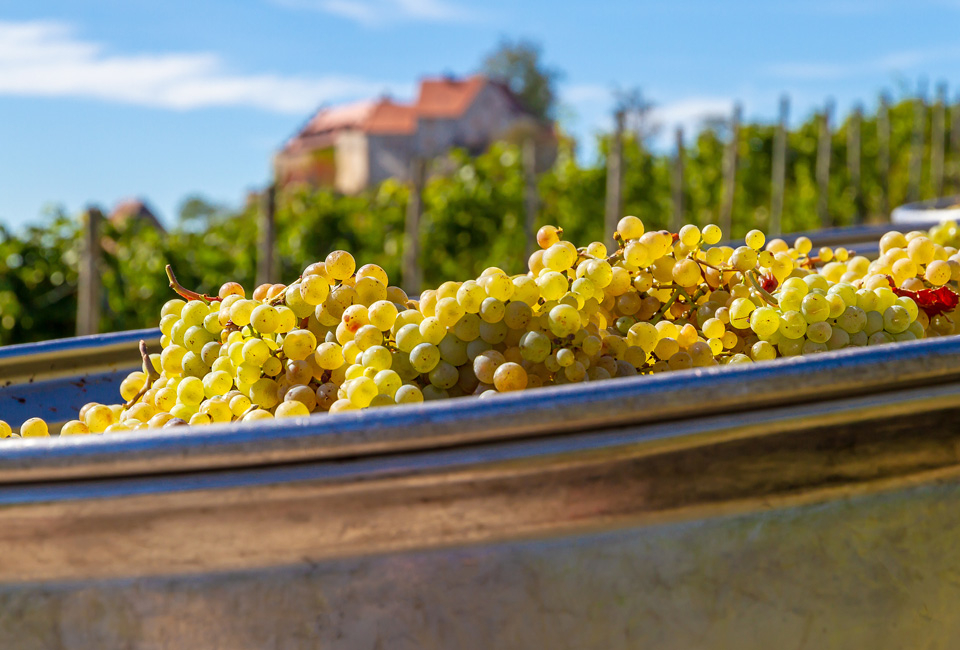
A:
[(341, 338)]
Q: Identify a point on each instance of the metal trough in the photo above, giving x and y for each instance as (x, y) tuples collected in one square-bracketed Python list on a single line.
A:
[(804, 503)]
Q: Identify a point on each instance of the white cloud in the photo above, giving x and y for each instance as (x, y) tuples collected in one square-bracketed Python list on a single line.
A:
[(893, 62), (44, 59), (587, 93), (690, 113), (374, 13)]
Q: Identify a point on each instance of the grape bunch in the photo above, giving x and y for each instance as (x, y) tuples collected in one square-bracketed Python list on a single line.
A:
[(343, 338)]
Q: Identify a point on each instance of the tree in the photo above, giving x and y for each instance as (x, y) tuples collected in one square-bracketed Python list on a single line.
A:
[(519, 65), (196, 212)]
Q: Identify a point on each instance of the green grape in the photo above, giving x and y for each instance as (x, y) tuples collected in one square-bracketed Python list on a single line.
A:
[(574, 373), (534, 347), (812, 347), (792, 327), (340, 265), (896, 319), (866, 300), (239, 404), (552, 285), (763, 351), (765, 321), (471, 295), (388, 382), (264, 319), (210, 353), (361, 391), (492, 310), (819, 332), (740, 311), (255, 352), (564, 320), (377, 357), (171, 360), (367, 337), (499, 287), (839, 339), (217, 383), (193, 365), (526, 290), (172, 307), (408, 337), (408, 394), (194, 312), (272, 367), (815, 308), (382, 314), (486, 364), (196, 337), (424, 357), (449, 311), (167, 323), (370, 290), (263, 393), (874, 323), (299, 344), (431, 393), (493, 333), (432, 330), (453, 350), (190, 391), (291, 409), (329, 356), (240, 312), (467, 328), (517, 315), (34, 428), (444, 375)]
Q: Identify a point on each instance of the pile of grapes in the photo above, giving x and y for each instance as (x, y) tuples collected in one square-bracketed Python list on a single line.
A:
[(341, 338)]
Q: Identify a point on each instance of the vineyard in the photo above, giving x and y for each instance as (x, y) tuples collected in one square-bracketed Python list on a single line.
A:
[(473, 216)]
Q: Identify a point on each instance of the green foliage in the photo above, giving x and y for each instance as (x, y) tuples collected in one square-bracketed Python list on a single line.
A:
[(473, 217), (518, 65)]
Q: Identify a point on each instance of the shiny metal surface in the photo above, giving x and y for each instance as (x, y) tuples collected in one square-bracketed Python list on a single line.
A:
[(808, 503), (53, 379), (923, 212)]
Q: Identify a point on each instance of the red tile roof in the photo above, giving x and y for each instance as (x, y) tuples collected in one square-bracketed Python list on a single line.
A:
[(439, 98), (448, 98), (340, 117), (391, 118)]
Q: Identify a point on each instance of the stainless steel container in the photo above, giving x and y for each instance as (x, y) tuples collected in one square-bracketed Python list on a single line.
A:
[(806, 503)]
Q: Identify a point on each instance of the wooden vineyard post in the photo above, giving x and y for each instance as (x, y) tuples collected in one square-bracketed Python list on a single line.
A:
[(853, 163), (89, 280), (883, 155), (955, 144), (937, 127), (530, 198), (823, 167), (412, 278), (678, 219), (614, 200), (730, 173), (779, 169), (267, 237), (916, 149)]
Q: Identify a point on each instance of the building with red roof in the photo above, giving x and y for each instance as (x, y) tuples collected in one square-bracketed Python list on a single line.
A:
[(354, 146)]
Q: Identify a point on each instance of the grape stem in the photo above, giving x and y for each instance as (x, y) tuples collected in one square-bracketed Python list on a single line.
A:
[(185, 293), (751, 276), (149, 370), (667, 305)]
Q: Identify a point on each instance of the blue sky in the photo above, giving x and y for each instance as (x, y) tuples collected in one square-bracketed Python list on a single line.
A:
[(104, 100)]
